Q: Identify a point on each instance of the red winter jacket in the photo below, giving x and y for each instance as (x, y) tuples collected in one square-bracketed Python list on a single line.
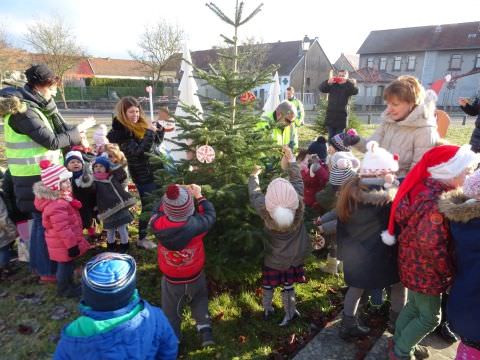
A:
[(181, 255), (425, 256), (314, 184), (62, 222)]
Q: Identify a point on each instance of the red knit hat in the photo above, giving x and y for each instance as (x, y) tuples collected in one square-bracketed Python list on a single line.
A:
[(177, 203), (52, 175), (443, 162)]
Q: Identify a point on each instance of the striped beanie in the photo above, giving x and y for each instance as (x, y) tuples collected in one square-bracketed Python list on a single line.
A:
[(344, 141), (177, 203), (342, 170), (109, 281), (52, 175)]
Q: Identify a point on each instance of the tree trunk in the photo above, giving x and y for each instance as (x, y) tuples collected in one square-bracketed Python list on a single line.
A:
[(62, 94)]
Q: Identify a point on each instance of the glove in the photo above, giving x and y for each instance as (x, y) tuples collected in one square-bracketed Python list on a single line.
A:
[(74, 251)]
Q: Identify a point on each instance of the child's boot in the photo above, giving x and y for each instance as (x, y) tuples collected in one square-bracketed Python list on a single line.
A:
[(123, 248), (111, 247), (207, 336), (267, 300), (68, 290), (350, 328), (289, 305), (331, 267)]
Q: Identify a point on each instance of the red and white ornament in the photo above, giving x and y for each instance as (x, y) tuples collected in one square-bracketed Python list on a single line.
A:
[(205, 154), (247, 97)]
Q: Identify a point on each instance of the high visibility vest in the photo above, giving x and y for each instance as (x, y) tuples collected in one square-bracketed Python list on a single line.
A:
[(23, 154), (300, 111), (286, 136)]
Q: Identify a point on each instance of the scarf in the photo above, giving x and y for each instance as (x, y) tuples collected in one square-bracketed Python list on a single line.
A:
[(77, 174), (68, 196), (138, 129), (101, 176)]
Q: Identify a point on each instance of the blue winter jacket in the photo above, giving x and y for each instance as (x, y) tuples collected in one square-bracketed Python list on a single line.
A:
[(148, 335), (463, 307)]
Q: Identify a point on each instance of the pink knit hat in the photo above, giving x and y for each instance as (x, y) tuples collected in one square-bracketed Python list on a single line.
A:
[(100, 135), (471, 187), (281, 194), (52, 175)]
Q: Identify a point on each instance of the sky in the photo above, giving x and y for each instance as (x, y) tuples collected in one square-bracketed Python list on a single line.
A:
[(110, 28)]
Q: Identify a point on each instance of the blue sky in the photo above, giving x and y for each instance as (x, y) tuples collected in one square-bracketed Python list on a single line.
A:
[(111, 28)]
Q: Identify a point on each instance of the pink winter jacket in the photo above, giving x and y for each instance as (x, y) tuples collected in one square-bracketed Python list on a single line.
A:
[(62, 222)]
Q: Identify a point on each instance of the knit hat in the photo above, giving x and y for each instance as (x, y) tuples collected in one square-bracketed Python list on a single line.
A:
[(52, 175), (281, 201), (103, 161), (73, 155), (441, 162), (100, 135), (109, 281), (471, 187), (177, 203), (343, 141), (378, 161), (342, 170), (319, 147)]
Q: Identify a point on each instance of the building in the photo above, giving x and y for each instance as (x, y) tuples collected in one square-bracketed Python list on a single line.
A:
[(428, 52), (347, 62)]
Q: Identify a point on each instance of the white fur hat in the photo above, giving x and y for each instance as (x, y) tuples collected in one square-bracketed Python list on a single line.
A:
[(378, 161)]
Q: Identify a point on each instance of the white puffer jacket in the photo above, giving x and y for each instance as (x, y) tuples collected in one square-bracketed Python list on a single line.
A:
[(409, 138)]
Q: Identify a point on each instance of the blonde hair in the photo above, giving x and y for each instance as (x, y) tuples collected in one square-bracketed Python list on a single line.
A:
[(121, 108), (405, 88), (114, 152)]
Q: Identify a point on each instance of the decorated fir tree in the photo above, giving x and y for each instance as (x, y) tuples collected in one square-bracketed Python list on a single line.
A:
[(228, 129)]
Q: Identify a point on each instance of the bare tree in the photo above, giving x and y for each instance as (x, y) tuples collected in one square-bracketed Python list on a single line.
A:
[(56, 45), (160, 47), (7, 54)]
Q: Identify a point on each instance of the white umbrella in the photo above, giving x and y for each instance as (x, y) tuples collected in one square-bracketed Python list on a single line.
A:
[(273, 95)]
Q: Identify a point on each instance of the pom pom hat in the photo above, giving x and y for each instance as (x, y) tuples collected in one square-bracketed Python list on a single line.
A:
[(281, 201), (344, 141), (178, 203), (100, 135), (52, 175), (443, 162), (471, 187), (378, 161), (342, 170)]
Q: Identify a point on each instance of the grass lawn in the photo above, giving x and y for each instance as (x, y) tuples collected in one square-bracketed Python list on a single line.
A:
[(31, 317)]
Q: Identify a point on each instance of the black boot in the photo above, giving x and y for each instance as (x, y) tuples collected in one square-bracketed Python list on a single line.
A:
[(123, 248), (111, 247), (350, 328), (69, 290)]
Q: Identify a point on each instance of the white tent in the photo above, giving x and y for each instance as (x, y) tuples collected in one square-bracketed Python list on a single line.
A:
[(273, 95)]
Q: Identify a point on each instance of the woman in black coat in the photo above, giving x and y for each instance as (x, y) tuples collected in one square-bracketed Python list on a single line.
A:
[(136, 137), (473, 110)]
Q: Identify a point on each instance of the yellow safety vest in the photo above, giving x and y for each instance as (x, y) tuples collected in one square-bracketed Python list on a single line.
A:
[(23, 154), (286, 136)]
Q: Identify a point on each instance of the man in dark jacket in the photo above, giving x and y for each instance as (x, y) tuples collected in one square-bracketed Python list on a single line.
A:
[(340, 88), (473, 110)]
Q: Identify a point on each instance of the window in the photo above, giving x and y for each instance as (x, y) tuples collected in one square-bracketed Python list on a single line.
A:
[(411, 63), (307, 82), (370, 62), (397, 63), (383, 64), (477, 62), (456, 62)]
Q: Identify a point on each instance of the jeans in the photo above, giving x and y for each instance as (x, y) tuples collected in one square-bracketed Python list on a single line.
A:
[(40, 262), (122, 231), (5, 255), (332, 131), (144, 190), (65, 272)]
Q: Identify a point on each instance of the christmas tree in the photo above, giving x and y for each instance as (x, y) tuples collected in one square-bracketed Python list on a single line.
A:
[(234, 245)]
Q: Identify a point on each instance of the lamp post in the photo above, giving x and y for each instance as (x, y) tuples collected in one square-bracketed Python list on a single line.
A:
[(305, 47)]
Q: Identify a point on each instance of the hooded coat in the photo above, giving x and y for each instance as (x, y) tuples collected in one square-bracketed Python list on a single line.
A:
[(62, 223), (367, 262), (463, 310), (283, 248), (409, 138), (26, 121)]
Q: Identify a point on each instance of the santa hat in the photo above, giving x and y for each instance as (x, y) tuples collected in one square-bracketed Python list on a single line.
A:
[(443, 162), (471, 187), (100, 135), (177, 203), (52, 175), (378, 161), (438, 84), (281, 202)]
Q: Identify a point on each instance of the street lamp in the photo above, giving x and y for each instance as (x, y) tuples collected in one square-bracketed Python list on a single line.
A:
[(305, 47)]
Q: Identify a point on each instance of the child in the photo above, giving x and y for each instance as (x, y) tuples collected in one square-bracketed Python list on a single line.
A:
[(425, 259), (100, 139), (116, 323), (463, 312), (363, 207), (8, 234), (118, 161), (113, 203), (342, 143), (319, 147), (287, 243), (314, 175), (181, 256), (83, 189), (62, 222)]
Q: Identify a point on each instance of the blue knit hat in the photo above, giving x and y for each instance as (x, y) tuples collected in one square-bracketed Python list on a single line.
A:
[(102, 160), (109, 281)]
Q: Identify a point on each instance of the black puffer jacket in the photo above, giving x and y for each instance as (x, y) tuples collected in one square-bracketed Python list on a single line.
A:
[(474, 110), (136, 150), (338, 97), (29, 123)]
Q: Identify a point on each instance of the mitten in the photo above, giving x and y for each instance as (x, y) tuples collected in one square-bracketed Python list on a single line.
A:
[(74, 251)]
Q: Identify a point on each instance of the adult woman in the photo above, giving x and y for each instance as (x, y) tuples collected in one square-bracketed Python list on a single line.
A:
[(136, 136), (34, 131), (408, 125)]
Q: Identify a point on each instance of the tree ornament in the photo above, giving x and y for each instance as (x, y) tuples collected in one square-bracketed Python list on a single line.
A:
[(205, 154), (247, 98)]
